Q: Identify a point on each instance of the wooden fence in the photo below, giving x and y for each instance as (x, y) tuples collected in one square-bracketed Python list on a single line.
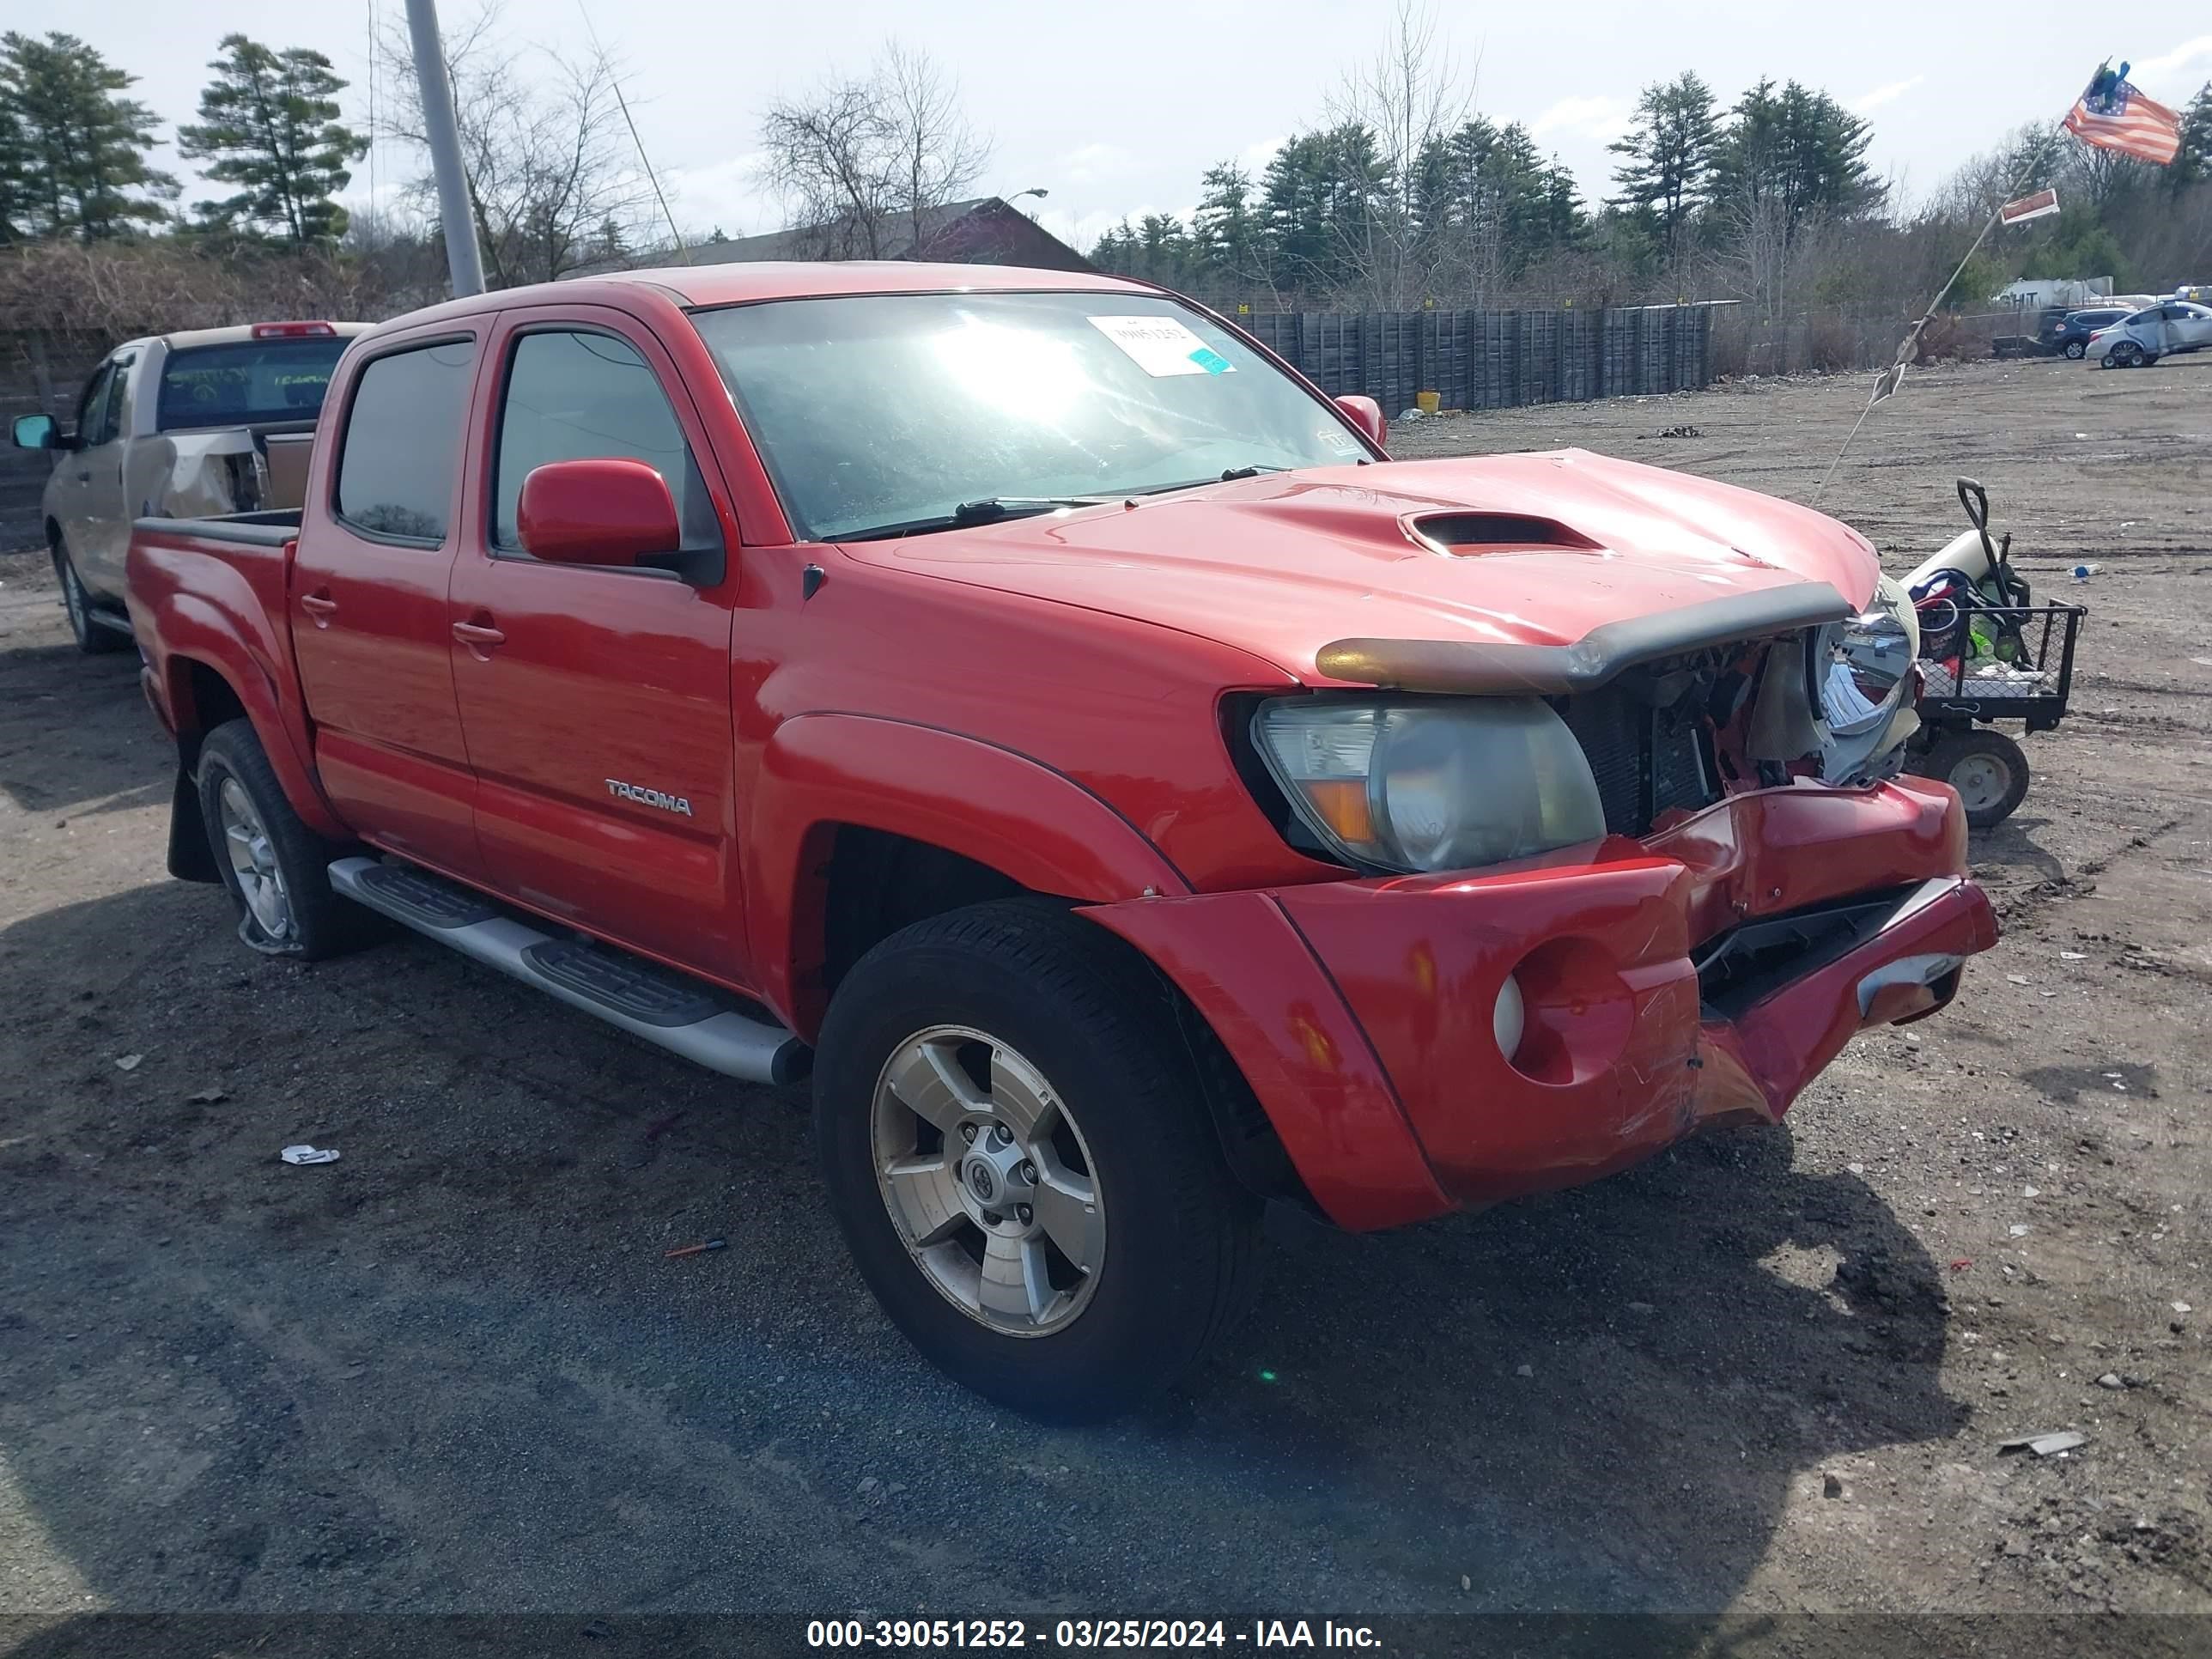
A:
[(1494, 359)]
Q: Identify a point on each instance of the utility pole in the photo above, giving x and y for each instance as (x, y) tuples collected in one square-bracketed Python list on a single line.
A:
[(463, 256)]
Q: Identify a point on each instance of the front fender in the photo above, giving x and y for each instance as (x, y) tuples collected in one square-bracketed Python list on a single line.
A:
[(1015, 815)]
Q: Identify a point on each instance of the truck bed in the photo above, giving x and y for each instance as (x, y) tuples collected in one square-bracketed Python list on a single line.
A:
[(272, 528)]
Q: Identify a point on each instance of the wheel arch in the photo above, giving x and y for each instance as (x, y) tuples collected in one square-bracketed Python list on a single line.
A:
[(869, 788), (204, 686)]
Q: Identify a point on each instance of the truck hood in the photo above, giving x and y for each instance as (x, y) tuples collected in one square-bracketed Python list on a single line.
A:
[(1540, 551)]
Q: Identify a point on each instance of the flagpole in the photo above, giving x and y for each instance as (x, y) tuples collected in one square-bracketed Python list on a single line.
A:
[(1907, 350)]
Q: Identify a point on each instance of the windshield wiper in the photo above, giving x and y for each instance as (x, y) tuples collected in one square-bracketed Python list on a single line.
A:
[(990, 509), (1231, 476), (1008, 507)]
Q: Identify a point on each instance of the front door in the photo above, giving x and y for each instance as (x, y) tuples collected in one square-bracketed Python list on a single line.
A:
[(368, 604), (596, 701), (69, 492)]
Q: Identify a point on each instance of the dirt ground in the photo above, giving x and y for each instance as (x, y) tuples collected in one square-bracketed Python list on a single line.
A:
[(1765, 1374)]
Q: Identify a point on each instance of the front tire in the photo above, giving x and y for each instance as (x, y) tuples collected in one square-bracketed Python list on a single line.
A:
[(1988, 770), (92, 639), (276, 869), (1017, 1147)]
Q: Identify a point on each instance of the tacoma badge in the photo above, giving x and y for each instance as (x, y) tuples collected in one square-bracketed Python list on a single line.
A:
[(643, 797)]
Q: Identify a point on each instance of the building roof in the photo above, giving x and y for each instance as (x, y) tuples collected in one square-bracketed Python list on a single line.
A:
[(984, 229), (897, 240)]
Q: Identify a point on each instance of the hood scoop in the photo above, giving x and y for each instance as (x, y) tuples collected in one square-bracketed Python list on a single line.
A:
[(1470, 535)]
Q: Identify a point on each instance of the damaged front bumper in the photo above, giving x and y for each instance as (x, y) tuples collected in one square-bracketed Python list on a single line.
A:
[(1700, 976)]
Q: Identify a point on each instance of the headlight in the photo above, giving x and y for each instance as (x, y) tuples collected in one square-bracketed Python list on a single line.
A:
[(1432, 783)]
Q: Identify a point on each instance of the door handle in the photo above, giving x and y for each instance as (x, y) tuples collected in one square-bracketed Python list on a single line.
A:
[(479, 637), (319, 605)]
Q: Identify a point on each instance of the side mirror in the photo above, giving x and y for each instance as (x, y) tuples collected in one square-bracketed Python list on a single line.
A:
[(36, 432), (1367, 414), (608, 511)]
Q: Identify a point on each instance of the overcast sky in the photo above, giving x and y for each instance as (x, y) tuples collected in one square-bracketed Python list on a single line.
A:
[(1116, 109)]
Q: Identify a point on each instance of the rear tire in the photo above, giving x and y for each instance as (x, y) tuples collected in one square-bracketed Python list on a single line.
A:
[(975, 1013), (276, 869), (2078, 349), (92, 639), (1988, 770)]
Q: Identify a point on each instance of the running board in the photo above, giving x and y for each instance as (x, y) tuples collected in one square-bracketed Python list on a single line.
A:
[(666, 1009)]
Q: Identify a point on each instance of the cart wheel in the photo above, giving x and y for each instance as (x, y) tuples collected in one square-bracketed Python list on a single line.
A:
[(1988, 770)]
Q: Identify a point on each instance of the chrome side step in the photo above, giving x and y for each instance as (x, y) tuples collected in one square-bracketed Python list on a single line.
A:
[(681, 1015)]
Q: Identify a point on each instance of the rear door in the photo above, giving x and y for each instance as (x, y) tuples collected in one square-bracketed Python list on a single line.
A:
[(369, 624), (596, 701)]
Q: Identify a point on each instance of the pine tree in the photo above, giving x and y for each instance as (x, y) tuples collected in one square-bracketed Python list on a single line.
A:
[(80, 147), (270, 120), (1224, 231), (1798, 152), (1668, 153), (2194, 164), (14, 177)]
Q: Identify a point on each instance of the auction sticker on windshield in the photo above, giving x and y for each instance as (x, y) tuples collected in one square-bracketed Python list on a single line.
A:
[(1161, 345)]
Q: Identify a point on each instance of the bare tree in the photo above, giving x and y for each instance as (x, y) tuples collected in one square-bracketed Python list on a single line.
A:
[(863, 160), (939, 156), (1409, 99), (550, 165)]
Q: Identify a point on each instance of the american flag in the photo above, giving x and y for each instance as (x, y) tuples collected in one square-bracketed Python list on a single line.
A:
[(2113, 115)]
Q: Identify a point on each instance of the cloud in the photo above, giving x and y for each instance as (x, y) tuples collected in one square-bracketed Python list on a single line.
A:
[(1254, 157), (1092, 162), (732, 194), (1881, 96), (2168, 63), (1592, 117)]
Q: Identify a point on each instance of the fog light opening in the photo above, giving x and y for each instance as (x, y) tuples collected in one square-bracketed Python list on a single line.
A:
[(1508, 1018)]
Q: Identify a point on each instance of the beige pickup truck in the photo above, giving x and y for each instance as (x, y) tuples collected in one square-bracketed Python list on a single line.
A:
[(186, 425)]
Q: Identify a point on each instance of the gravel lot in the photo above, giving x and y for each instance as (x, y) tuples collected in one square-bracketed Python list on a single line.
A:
[(1764, 1374)]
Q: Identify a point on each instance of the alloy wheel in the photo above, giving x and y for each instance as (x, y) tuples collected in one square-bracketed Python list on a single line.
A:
[(253, 862), (988, 1181), (73, 600)]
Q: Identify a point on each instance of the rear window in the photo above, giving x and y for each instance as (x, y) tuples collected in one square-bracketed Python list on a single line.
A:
[(402, 441), (252, 383)]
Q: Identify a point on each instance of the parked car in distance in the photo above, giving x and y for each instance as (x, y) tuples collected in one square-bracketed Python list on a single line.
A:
[(1019, 697), (175, 423), (2068, 335), (2141, 338)]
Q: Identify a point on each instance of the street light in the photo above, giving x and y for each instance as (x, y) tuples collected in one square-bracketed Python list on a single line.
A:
[(1038, 191)]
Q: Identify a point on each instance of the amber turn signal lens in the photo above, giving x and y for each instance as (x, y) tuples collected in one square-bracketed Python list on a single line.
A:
[(1341, 804)]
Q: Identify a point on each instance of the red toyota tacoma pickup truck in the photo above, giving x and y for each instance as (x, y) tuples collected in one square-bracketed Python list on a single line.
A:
[(1020, 697)]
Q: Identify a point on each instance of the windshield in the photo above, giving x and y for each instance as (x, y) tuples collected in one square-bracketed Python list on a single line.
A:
[(875, 412), (252, 382)]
